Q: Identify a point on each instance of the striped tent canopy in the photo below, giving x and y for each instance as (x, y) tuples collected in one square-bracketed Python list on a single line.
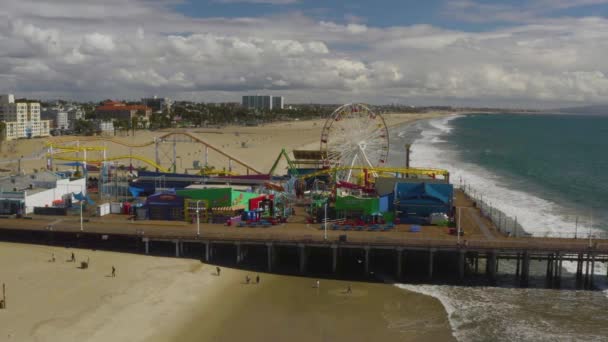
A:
[(230, 208)]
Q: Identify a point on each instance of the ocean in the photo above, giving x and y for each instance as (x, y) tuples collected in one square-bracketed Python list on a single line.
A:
[(549, 171)]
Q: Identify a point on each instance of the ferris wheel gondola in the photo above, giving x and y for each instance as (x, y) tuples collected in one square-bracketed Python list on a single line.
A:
[(354, 136)]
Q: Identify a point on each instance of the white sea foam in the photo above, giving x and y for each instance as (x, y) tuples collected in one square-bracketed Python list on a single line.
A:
[(507, 314), (538, 216)]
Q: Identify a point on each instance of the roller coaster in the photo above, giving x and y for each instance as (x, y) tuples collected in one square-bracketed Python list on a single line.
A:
[(57, 148), (381, 171)]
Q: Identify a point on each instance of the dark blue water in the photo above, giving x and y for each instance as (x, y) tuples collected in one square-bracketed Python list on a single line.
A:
[(562, 158), (545, 170)]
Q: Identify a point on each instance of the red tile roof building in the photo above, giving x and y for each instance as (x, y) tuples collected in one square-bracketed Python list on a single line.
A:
[(121, 111)]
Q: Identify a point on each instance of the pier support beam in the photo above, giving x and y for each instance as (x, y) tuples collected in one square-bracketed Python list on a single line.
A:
[(461, 263), (579, 268), (366, 260), (549, 273), (587, 272), (270, 257), (431, 262), (525, 269), (399, 263), (517, 265), (491, 265), (239, 253), (557, 270), (592, 273), (303, 258), (176, 248), (334, 258), (207, 251), (146, 245)]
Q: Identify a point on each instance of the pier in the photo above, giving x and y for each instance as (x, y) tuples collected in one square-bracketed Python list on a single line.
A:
[(296, 247)]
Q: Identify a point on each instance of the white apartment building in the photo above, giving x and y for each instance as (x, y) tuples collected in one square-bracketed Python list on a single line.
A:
[(22, 118), (264, 102)]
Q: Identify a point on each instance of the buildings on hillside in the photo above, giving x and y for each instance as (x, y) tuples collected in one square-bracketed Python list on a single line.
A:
[(277, 102), (120, 111), (263, 102), (22, 118), (157, 104), (62, 115)]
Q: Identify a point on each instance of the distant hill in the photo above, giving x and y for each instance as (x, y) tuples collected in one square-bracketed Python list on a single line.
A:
[(589, 110)]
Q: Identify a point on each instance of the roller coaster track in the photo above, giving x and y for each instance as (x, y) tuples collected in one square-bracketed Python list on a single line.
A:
[(164, 137), (380, 171), (99, 161)]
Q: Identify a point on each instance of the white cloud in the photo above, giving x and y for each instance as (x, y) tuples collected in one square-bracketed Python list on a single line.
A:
[(49, 50), (97, 42)]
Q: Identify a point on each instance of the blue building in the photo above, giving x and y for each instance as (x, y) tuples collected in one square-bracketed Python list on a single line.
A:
[(416, 201)]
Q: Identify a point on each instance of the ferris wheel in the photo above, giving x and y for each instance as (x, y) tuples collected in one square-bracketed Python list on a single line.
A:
[(354, 136)]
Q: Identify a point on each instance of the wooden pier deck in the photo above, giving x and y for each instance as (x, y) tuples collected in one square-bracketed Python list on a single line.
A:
[(481, 240)]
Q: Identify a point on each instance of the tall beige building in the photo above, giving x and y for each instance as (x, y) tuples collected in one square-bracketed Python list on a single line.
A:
[(22, 118)]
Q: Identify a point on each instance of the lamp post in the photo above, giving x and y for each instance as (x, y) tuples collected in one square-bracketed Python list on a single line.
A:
[(198, 219), (325, 222)]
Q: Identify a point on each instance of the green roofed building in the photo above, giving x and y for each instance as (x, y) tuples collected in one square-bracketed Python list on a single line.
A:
[(353, 204), (219, 197)]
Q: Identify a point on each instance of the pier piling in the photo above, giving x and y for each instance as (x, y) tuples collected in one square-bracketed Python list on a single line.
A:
[(431, 261), (366, 248), (525, 269), (517, 265), (491, 265), (239, 253), (270, 257), (334, 258), (302, 253), (592, 274), (461, 264), (399, 263)]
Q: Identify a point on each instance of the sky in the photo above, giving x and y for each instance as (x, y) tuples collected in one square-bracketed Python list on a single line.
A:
[(520, 54)]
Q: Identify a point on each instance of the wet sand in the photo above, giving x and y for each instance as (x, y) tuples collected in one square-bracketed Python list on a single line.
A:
[(287, 308)]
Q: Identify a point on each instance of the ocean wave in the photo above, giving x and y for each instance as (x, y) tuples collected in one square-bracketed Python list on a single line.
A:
[(538, 216), (512, 314)]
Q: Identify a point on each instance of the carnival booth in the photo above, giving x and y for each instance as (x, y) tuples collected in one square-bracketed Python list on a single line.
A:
[(417, 201), (263, 204), (221, 204), (166, 206), (353, 207)]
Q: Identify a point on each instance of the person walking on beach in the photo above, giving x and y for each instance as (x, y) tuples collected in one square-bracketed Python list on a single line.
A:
[(247, 279), (73, 258), (53, 257), (113, 272), (217, 270), (317, 284), (257, 279), (349, 289)]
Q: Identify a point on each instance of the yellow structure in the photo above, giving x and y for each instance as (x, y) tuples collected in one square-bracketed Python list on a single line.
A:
[(382, 171)]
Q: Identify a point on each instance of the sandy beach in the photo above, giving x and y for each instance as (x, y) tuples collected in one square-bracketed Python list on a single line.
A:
[(170, 299), (164, 299)]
